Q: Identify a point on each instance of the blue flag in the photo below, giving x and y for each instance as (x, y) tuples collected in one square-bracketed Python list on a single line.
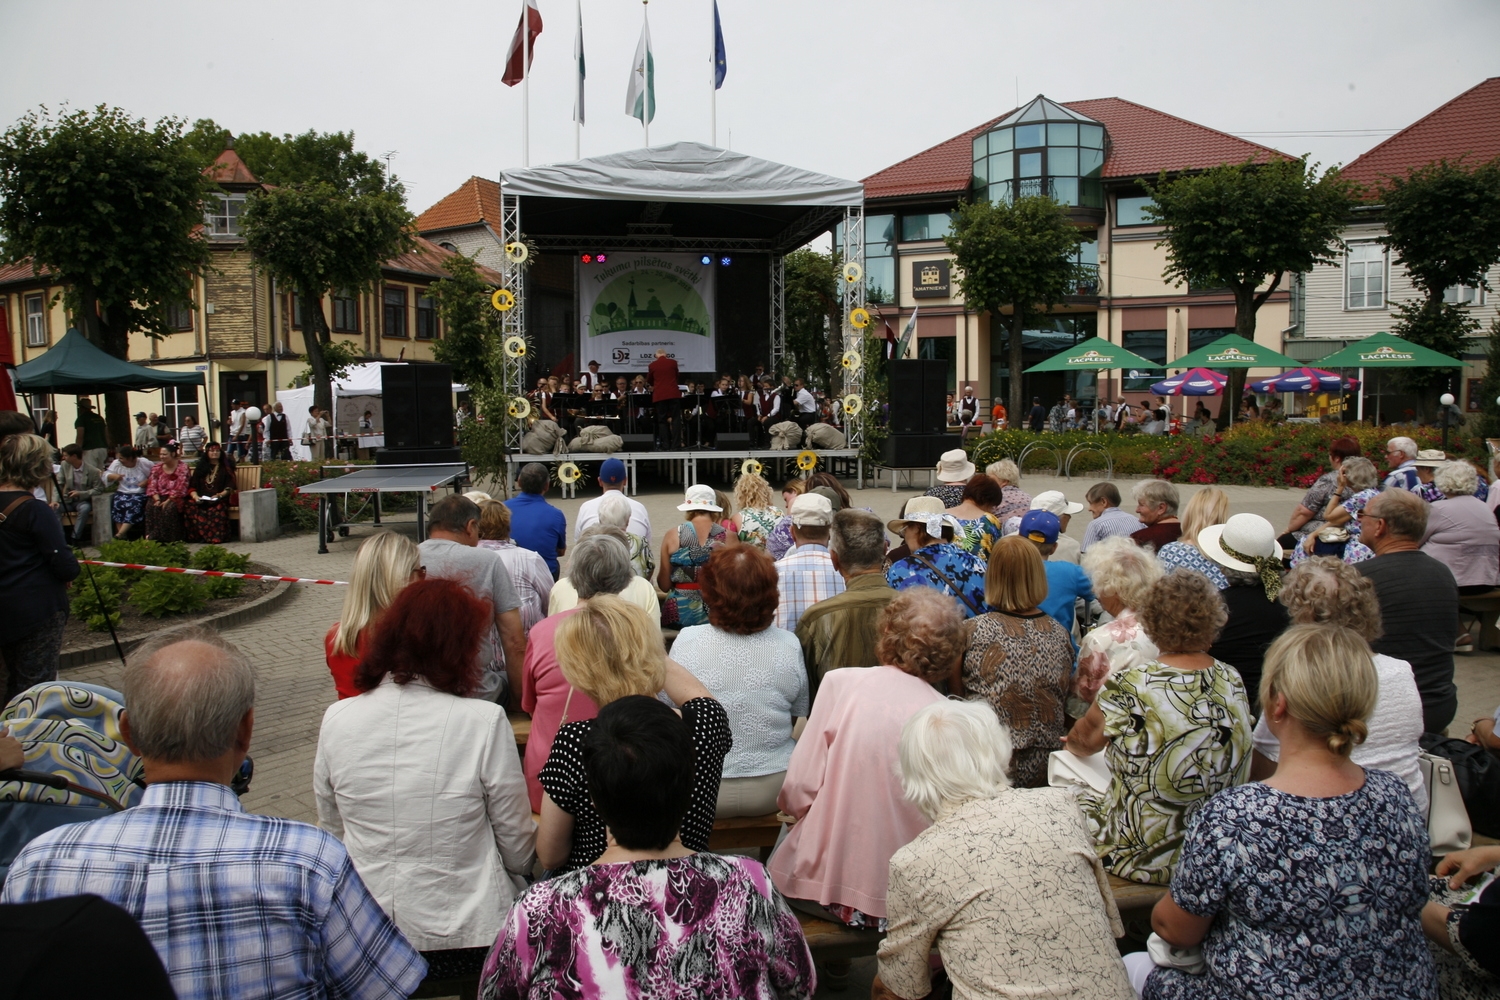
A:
[(720, 66)]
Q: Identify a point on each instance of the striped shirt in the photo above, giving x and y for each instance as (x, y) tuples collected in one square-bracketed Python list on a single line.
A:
[(237, 905)]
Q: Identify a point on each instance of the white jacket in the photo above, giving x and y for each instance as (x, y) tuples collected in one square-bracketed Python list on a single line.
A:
[(426, 791)]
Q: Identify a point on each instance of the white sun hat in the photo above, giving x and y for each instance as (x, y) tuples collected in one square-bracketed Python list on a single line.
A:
[(954, 467), (1247, 534), (700, 497)]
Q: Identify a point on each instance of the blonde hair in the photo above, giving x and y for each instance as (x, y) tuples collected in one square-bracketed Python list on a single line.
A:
[(1119, 567), (494, 520), (611, 649), (953, 752), (383, 567), (1016, 578), (722, 499), (26, 460), (1327, 675), (1004, 471), (1207, 507), (752, 492)]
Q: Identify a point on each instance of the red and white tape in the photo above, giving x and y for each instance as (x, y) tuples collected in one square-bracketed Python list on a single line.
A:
[(213, 572)]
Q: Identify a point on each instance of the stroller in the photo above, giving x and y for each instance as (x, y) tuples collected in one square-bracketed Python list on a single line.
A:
[(78, 767)]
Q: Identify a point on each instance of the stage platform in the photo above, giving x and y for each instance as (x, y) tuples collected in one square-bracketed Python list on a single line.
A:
[(682, 466)]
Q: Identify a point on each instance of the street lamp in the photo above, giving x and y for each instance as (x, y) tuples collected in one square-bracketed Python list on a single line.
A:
[(1447, 400)]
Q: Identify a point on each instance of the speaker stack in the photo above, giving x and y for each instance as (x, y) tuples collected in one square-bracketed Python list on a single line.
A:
[(918, 417), (417, 401)]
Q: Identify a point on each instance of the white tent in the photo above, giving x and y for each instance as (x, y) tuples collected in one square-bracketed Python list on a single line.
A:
[(357, 391), (683, 172)]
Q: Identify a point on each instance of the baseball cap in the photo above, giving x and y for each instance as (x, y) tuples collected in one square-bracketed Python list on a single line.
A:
[(1040, 526), (827, 493), (1055, 502), (812, 510), (593, 364), (141, 414), (612, 471)]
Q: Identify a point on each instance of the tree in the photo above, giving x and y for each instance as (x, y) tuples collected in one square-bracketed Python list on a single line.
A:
[(1018, 254), (111, 206), (1443, 222), (1245, 227), (329, 222), (471, 326), (1489, 388), (813, 323)]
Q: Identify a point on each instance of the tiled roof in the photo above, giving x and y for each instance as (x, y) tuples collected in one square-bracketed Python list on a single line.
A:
[(21, 272), (1467, 126), (1143, 142), (476, 201), (428, 259), (228, 168)]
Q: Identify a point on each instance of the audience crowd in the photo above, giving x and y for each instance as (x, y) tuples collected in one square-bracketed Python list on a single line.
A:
[(965, 723)]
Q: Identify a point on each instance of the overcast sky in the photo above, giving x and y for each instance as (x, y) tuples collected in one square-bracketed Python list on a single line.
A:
[(836, 86)]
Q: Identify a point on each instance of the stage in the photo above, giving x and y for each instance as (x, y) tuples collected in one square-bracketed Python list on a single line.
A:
[(682, 466)]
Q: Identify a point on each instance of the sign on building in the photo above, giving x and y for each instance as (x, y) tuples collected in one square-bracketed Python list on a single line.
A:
[(929, 279)]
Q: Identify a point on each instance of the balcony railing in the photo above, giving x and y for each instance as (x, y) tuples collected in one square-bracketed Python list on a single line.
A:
[(1085, 280)]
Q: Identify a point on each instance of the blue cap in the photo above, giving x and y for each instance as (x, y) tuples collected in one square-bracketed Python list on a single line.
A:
[(1040, 526), (613, 471)]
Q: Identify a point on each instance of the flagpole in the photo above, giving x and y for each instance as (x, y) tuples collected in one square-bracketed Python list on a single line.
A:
[(577, 125), (525, 83), (646, 99), (713, 77)]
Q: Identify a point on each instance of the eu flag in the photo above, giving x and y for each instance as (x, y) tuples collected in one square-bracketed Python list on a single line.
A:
[(720, 66)]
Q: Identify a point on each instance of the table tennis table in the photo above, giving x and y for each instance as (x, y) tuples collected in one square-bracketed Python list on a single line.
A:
[(422, 480)]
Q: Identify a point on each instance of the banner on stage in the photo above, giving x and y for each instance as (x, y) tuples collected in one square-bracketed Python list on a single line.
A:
[(635, 303)]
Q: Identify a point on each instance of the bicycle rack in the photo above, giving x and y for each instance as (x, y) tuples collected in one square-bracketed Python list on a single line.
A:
[(1088, 447), (1040, 446)]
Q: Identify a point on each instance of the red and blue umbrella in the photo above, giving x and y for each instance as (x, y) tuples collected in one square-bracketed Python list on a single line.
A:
[(1304, 380), (1193, 382)]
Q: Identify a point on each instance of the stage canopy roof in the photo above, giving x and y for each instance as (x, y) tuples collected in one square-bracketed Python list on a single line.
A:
[(682, 196)]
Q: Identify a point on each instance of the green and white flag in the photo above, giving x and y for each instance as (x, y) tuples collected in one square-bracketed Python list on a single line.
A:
[(640, 99)]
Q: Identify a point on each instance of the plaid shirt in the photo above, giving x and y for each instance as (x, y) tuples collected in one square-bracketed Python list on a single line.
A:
[(237, 905), (806, 576)]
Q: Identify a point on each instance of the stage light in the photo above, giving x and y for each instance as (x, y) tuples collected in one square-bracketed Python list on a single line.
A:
[(725, 261), (587, 258), (706, 259), (600, 258)]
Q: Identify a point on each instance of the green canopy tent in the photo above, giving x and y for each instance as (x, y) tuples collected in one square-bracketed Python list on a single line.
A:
[(1234, 351), (1384, 350), (1095, 354), (76, 367)]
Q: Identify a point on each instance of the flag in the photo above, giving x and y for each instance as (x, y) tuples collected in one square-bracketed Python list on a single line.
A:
[(890, 341), (640, 99), (578, 61), (907, 332), (516, 61), (720, 67)]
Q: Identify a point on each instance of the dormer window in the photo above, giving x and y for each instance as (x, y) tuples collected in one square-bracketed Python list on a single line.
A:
[(221, 214), (1042, 149)]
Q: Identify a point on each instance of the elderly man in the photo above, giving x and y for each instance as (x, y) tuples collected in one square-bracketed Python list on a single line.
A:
[(806, 574), (1156, 506), (1109, 520), (534, 523), (840, 632), (612, 479), (236, 904), (452, 552), (1418, 600), (1401, 456)]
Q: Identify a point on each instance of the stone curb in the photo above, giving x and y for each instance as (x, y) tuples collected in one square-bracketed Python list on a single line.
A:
[(261, 606)]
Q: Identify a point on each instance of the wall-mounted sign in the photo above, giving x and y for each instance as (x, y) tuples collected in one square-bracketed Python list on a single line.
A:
[(929, 279)]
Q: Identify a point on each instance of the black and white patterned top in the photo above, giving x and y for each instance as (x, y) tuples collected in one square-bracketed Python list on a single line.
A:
[(952, 494), (564, 779)]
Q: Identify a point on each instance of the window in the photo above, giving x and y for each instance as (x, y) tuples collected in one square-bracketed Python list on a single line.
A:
[(1202, 338), (1132, 212), (1043, 149), (880, 258), (1463, 295), (180, 316), (36, 320), (345, 311), (925, 226), (179, 401), (1364, 271), (1151, 345), (426, 318), (395, 313), (221, 216)]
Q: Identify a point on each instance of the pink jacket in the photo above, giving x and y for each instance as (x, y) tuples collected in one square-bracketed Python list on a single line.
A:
[(843, 785), (544, 695)]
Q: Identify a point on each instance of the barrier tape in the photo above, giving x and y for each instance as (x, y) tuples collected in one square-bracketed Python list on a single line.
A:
[(213, 572)]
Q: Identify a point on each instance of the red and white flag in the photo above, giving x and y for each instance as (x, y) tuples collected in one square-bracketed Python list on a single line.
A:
[(516, 60)]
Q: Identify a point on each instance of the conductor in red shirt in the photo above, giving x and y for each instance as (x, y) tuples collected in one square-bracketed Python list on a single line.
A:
[(666, 397)]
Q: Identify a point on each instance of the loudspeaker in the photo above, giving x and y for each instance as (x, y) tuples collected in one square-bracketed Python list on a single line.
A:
[(729, 441), (916, 451), (638, 442), (418, 456), (919, 390), (417, 401)]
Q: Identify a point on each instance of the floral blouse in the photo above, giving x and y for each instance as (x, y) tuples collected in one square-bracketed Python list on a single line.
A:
[(979, 535), (1354, 505), (779, 538), (1022, 666), (1355, 551), (1014, 502), (172, 484), (1108, 649), (965, 570), (757, 523), (706, 926), (1311, 897)]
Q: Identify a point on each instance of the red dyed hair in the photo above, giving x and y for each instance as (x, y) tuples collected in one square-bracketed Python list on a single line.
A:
[(432, 630), (983, 490), (739, 588)]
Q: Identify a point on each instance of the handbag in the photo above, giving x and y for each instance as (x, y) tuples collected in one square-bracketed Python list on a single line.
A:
[(1448, 827), (1477, 771)]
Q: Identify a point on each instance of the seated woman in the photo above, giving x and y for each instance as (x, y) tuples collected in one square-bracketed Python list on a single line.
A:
[(841, 784), (127, 505), (1312, 882), (1469, 964), (166, 496), (457, 847), (752, 495), (1324, 591), (1356, 483), (637, 589), (528, 571), (1122, 573), (649, 917), (684, 550), (779, 541), (979, 528), (1196, 744), (754, 669), (932, 560), (1461, 530), (1208, 506), (608, 650), (210, 489), (383, 566), (1019, 659), (1014, 501), (615, 512), (1055, 939), (1246, 551)]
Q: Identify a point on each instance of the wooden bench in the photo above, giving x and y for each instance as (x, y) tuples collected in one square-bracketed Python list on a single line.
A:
[(741, 832), (520, 724), (1486, 608), (246, 477)]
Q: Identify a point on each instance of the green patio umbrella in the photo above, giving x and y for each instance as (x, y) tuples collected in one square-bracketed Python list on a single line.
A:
[(1384, 350), (1094, 354), (1234, 351)]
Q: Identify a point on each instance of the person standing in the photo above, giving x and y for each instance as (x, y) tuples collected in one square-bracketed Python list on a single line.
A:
[(666, 396), (191, 437), (534, 523), (93, 437), (1037, 418), (806, 574), (587, 380), (612, 479), (162, 428), (999, 419), (239, 432), (145, 434), (279, 434), (315, 434)]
